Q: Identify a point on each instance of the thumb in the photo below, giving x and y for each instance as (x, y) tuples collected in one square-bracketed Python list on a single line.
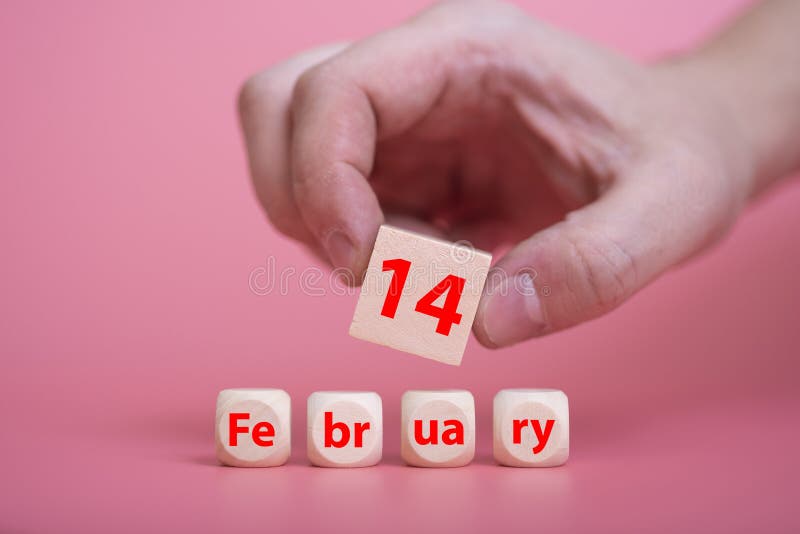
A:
[(597, 257)]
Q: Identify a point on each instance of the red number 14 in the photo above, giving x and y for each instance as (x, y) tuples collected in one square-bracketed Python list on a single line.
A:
[(447, 314)]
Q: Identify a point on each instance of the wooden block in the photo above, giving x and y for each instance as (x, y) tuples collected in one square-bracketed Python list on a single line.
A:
[(438, 428), (345, 428), (531, 427), (253, 427), (420, 295)]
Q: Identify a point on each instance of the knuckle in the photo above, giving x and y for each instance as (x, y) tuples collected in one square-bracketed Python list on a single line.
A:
[(279, 207), (602, 273), (284, 218), (317, 76), (280, 219), (445, 8), (254, 92), (471, 11)]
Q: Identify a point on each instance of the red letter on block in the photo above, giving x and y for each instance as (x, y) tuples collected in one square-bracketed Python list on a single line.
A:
[(455, 435), (262, 431), (519, 424), (542, 436), (234, 429), (330, 426), (433, 434), (359, 431)]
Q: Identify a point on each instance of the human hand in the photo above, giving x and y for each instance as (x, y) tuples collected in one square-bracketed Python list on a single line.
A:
[(473, 121)]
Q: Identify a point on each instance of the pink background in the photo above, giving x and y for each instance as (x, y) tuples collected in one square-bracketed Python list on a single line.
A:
[(129, 233)]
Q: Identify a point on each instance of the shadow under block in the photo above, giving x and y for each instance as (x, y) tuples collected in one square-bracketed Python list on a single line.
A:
[(420, 295), (531, 427), (253, 427), (345, 428), (438, 428)]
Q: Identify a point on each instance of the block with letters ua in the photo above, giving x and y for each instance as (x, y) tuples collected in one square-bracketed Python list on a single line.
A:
[(438, 428)]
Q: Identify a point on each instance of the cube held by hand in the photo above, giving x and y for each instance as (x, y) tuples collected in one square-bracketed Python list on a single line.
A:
[(420, 295)]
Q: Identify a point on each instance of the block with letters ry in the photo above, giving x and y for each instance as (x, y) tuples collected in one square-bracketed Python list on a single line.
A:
[(531, 427), (420, 295)]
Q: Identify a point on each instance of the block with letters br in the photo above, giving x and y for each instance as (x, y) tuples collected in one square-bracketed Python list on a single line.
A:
[(420, 295), (345, 428)]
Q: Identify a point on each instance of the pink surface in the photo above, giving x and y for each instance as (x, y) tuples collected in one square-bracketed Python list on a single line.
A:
[(129, 234)]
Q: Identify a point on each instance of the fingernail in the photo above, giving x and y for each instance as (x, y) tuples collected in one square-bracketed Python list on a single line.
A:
[(340, 249), (513, 312)]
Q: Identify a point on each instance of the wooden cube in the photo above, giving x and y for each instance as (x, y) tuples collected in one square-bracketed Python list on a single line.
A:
[(253, 427), (531, 427), (420, 295), (438, 428), (345, 428)]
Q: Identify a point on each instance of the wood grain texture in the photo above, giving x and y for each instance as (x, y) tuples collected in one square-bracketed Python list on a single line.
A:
[(270, 406), (437, 428), (431, 261), (530, 409)]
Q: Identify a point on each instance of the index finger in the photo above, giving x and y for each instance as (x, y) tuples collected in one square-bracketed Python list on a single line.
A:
[(340, 109)]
